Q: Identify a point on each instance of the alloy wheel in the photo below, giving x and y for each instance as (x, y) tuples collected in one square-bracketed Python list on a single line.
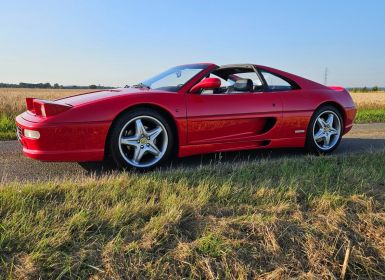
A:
[(143, 141), (326, 130)]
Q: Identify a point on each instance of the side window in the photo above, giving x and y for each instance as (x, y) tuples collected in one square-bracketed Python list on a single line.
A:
[(236, 80), (275, 83), (245, 81), (252, 76)]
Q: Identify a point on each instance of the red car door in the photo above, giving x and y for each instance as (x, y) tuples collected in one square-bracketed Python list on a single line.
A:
[(297, 107), (235, 117)]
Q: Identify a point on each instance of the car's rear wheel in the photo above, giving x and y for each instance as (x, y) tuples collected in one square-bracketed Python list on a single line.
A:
[(325, 130), (141, 139)]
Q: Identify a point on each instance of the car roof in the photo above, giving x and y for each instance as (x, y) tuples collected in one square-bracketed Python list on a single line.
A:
[(300, 81)]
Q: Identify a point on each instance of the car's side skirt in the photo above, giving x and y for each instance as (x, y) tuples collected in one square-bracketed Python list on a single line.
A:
[(189, 150)]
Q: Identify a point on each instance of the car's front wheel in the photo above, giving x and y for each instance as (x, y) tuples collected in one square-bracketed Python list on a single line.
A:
[(325, 130), (141, 139)]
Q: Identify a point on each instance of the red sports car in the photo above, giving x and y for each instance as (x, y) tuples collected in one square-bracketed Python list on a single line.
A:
[(186, 110)]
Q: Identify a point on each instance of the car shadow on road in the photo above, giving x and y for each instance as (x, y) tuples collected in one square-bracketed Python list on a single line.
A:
[(347, 146)]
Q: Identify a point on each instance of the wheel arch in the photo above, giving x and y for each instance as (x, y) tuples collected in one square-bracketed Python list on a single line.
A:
[(338, 106), (164, 112)]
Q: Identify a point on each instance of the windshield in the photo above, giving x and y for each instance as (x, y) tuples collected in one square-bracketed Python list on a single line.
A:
[(175, 78)]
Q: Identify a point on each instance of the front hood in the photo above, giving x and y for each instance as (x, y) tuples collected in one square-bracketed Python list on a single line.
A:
[(99, 95)]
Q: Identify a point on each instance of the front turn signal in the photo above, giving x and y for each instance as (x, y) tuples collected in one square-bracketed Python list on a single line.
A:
[(33, 134)]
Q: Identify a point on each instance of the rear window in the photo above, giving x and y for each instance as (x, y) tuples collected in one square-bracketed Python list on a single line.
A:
[(275, 83)]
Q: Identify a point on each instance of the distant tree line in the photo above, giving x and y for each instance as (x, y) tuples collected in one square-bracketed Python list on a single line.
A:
[(366, 89), (48, 85)]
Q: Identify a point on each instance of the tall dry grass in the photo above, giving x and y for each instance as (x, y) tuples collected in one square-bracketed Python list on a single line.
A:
[(12, 100), (369, 99)]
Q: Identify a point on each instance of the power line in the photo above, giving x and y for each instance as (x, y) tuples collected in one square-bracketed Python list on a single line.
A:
[(326, 76)]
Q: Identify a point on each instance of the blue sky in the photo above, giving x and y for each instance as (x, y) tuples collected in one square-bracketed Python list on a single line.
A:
[(119, 42)]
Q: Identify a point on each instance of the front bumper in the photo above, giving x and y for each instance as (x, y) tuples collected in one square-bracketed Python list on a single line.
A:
[(63, 142)]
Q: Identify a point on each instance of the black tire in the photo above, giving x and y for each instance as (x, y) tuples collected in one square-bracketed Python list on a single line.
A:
[(312, 145), (120, 157)]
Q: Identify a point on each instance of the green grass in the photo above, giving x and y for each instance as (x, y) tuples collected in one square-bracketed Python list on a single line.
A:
[(280, 218), (370, 115), (7, 128)]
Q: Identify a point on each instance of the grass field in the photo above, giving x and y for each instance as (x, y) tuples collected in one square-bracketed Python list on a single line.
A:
[(272, 219), (371, 105)]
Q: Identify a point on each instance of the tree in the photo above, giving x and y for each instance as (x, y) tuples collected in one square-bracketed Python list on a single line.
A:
[(93, 87)]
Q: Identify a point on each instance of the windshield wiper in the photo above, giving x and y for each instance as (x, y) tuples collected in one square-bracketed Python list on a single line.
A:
[(141, 85)]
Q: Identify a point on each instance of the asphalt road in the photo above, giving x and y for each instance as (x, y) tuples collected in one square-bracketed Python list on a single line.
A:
[(15, 166)]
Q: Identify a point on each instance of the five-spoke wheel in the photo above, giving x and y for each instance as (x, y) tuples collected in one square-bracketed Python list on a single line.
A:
[(325, 130), (141, 139)]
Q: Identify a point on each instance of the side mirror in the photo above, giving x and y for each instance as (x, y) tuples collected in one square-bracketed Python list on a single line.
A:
[(208, 83)]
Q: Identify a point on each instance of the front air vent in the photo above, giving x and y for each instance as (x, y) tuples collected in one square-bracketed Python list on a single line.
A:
[(19, 132)]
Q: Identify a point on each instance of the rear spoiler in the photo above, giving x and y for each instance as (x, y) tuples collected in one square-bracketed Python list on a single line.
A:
[(45, 108)]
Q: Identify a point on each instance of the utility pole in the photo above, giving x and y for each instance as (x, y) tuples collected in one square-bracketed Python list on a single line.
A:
[(326, 76)]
